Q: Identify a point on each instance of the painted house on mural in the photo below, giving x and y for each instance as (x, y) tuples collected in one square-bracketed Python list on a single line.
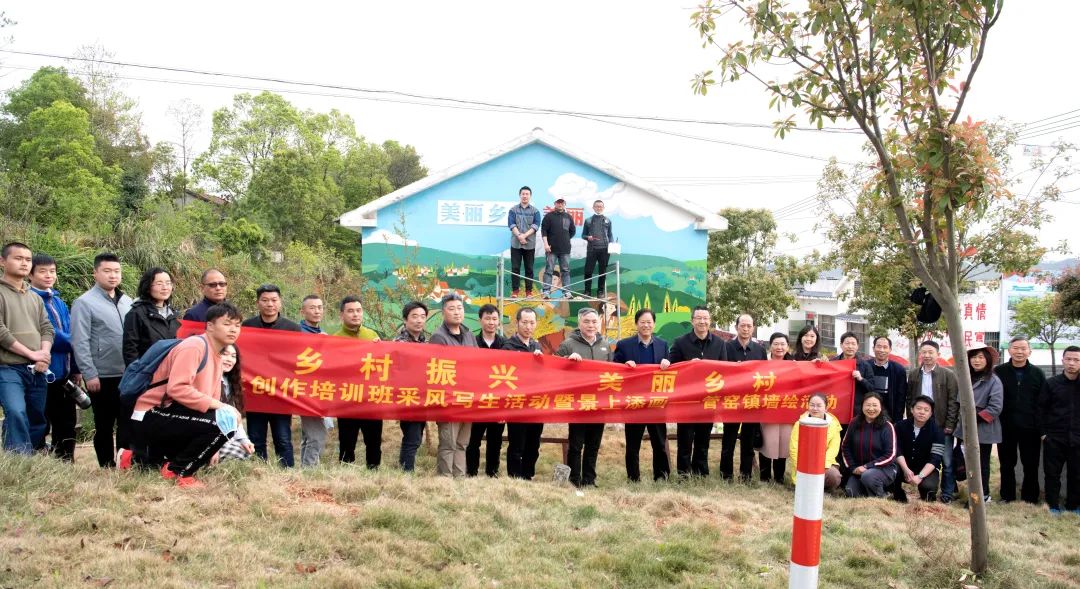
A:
[(450, 229)]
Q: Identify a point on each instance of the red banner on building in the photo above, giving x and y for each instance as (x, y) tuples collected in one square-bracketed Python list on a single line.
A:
[(305, 374)]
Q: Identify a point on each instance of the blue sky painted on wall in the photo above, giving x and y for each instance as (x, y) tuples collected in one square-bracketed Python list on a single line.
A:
[(642, 223)]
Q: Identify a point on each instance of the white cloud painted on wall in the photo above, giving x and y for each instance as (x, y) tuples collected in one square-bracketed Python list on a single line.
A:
[(384, 236), (626, 201)]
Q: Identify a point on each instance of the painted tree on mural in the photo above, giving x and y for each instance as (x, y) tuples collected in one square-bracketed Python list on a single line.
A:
[(901, 72)]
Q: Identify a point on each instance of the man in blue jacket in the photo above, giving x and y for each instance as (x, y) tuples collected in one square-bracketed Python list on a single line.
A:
[(59, 408), (643, 348), (524, 222)]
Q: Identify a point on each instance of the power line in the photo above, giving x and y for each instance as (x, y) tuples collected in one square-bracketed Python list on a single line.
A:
[(1031, 129), (1051, 117), (710, 139), (418, 96), (1065, 127), (512, 110)]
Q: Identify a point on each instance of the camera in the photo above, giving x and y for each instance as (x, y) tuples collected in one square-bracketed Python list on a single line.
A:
[(77, 394)]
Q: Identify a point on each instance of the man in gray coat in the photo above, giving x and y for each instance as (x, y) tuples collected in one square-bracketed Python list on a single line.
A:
[(97, 339), (929, 379), (585, 343), (453, 437)]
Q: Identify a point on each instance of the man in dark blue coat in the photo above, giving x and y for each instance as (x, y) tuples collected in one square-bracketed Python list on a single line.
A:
[(884, 377), (643, 348)]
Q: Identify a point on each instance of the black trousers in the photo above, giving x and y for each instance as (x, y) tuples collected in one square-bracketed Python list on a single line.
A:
[(60, 413), (1058, 454), (584, 447), (692, 448), (1029, 444), (109, 414), (517, 256), (523, 449), (183, 437), (984, 466), (661, 466), (928, 488), (348, 429), (494, 432), (745, 436), (592, 258)]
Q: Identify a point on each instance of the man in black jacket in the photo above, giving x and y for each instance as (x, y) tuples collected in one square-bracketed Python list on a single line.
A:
[(488, 338), (597, 234), (557, 229), (523, 449), (268, 299), (692, 446), (1059, 421), (741, 349), (884, 377), (921, 448), (1021, 383)]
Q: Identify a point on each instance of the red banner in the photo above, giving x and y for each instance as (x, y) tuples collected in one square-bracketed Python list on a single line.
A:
[(308, 374)]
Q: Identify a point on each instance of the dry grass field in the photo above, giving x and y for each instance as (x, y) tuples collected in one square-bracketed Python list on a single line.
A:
[(341, 526)]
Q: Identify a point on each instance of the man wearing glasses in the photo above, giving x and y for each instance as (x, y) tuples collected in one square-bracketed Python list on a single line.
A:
[(215, 289)]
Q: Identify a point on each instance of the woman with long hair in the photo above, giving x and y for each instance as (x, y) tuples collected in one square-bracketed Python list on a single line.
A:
[(870, 450), (775, 437), (151, 317), (232, 393), (808, 344), (989, 399), (817, 407)]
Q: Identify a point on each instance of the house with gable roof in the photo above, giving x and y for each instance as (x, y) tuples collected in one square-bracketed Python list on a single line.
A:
[(457, 218)]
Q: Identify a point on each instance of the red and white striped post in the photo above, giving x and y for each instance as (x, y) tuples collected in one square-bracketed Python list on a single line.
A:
[(809, 498)]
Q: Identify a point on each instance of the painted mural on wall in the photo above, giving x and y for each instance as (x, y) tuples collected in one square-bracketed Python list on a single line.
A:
[(454, 233)]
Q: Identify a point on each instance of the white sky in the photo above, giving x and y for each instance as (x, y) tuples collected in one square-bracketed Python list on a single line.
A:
[(614, 57)]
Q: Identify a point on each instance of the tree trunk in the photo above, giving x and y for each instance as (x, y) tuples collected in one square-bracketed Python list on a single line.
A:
[(1053, 360), (980, 540)]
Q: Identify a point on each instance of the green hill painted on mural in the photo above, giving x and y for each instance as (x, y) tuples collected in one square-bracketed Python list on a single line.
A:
[(379, 257)]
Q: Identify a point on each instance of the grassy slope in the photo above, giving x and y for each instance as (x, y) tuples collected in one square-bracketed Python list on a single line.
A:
[(345, 527)]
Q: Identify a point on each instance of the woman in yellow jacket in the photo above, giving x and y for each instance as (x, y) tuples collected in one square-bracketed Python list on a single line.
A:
[(817, 408)]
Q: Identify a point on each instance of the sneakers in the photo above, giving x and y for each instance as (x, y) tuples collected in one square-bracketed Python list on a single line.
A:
[(515, 294), (123, 459), (190, 483), (166, 473)]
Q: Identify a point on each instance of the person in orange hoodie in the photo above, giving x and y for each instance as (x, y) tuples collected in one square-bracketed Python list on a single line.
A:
[(184, 421)]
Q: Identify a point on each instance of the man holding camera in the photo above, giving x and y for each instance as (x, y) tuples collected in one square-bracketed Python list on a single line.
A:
[(26, 338)]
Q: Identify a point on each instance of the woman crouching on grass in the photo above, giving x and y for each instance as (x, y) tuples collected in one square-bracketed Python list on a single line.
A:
[(870, 450), (232, 393), (817, 408)]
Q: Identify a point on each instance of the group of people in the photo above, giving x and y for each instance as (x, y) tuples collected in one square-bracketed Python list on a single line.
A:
[(556, 228), (192, 413)]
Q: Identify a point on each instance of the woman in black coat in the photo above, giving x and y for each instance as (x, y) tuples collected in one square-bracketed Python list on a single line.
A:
[(150, 319)]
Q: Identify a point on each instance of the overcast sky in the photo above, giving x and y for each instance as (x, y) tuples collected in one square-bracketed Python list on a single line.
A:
[(604, 57)]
